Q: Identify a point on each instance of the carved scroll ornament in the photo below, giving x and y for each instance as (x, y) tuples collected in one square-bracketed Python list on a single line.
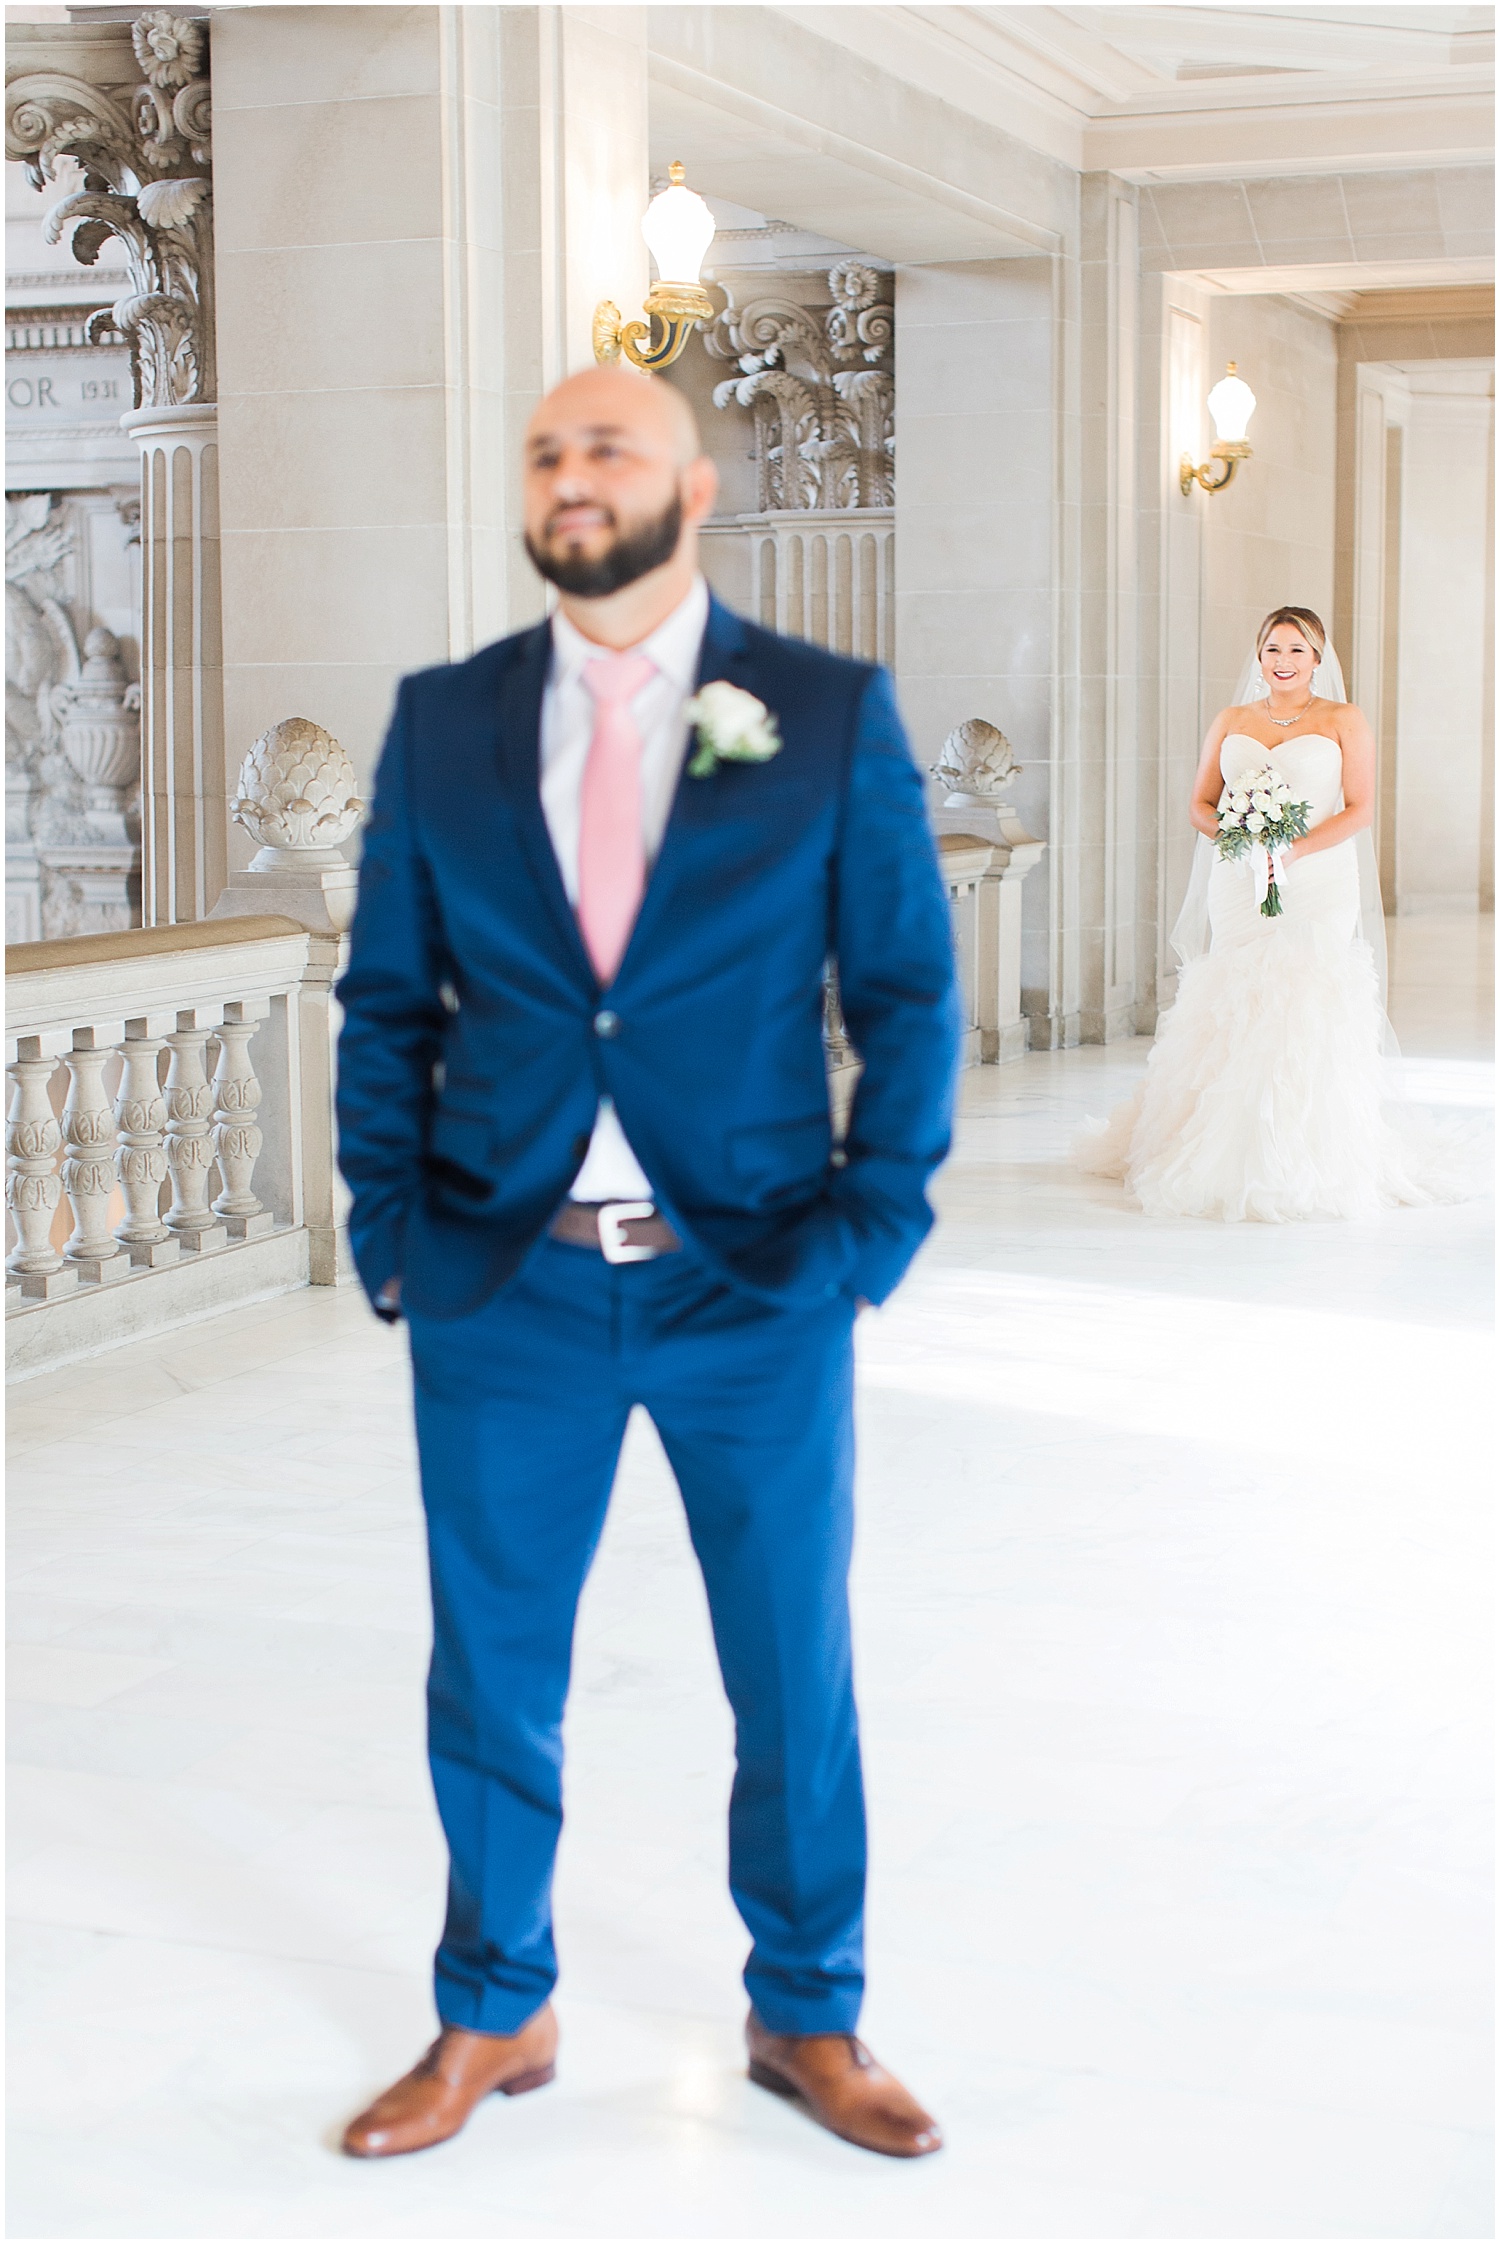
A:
[(821, 390), (145, 157)]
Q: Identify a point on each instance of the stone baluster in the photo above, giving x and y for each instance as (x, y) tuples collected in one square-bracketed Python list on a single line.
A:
[(141, 1118), (32, 1185), (88, 1171), (237, 1137), (190, 1149)]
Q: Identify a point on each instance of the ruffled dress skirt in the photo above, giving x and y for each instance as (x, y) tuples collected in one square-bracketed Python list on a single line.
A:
[(1263, 1099)]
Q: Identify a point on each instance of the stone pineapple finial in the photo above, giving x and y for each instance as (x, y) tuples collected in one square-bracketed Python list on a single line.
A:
[(977, 763), (296, 796)]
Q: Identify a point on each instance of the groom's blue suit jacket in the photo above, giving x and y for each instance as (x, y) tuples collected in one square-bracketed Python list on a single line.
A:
[(477, 1041)]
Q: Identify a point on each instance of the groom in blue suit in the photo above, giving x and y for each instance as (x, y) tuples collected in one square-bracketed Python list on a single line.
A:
[(584, 1116)]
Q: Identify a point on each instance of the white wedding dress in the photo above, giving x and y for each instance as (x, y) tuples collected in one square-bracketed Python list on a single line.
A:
[(1262, 1098)]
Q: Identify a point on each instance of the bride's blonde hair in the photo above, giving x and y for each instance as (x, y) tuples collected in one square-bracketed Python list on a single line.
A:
[(1302, 619)]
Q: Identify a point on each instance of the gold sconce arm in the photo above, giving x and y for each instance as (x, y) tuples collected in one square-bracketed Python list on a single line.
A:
[(678, 308), (1228, 457)]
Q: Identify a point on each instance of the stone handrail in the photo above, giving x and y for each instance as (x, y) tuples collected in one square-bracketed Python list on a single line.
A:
[(134, 1084)]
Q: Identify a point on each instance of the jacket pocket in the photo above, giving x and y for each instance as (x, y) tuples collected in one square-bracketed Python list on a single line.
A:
[(460, 1153), (781, 1160)]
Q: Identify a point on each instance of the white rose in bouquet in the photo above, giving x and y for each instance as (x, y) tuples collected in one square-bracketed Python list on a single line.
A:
[(1258, 819)]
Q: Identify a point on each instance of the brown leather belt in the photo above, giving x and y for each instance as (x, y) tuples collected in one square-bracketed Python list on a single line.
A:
[(620, 1230)]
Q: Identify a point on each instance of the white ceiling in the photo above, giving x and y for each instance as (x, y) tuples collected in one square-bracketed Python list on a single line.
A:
[(1111, 58), (1184, 92)]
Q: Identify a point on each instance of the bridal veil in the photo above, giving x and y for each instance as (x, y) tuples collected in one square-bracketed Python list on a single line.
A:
[(1190, 933)]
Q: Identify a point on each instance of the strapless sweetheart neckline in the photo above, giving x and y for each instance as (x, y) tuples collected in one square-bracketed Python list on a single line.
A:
[(1275, 744)]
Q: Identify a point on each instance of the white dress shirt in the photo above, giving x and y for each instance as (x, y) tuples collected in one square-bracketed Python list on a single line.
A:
[(610, 1170)]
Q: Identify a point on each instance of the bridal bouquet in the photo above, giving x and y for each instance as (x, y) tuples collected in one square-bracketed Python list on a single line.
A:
[(1257, 814)]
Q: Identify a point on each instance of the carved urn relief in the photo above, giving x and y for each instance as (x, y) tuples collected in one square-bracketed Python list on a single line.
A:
[(98, 719)]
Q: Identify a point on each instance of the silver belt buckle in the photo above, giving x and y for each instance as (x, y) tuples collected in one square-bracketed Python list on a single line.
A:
[(613, 1217)]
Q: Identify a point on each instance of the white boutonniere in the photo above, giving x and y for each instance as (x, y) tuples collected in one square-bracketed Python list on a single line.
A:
[(730, 727)]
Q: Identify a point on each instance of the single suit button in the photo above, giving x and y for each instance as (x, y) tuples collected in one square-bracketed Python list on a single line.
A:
[(606, 1023)]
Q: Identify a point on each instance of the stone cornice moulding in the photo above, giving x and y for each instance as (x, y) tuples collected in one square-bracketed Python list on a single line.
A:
[(1061, 93), (1406, 132), (144, 151), (1014, 235), (1437, 273)]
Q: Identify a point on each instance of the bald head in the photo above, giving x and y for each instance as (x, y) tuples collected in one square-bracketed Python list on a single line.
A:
[(616, 486), (620, 398)]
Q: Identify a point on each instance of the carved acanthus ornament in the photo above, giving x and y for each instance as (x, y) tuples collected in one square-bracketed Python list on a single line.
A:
[(821, 390), (145, 159)]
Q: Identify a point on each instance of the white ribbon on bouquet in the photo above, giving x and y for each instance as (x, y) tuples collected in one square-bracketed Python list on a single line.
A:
[(1267, 865)]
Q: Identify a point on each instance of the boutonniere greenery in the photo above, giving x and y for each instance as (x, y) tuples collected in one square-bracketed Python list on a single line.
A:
[(730, 727)]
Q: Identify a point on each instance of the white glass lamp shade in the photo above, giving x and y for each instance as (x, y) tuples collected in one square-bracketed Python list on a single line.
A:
[(678, 227), (1231, 402)]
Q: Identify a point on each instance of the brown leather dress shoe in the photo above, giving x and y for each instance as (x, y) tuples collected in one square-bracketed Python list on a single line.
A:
[(434, 2099), (838, 2080)]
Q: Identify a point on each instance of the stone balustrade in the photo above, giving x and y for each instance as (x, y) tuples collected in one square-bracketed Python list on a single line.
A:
[(984, 892), (983, 879), (828, 575), (170, 1134)]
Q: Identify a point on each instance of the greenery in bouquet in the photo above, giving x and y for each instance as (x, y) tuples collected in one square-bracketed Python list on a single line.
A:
[(1258, 811)]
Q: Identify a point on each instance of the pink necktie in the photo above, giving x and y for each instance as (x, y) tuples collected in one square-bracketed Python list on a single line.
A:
[(611, 843)]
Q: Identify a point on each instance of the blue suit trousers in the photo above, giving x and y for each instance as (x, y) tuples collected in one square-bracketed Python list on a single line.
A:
[(521, 1410)]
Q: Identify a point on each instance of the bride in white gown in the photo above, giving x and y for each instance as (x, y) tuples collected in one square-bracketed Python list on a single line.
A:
[(1262, 1098)]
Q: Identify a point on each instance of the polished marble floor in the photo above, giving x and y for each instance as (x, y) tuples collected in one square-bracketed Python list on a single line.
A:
[(1171, 1595)]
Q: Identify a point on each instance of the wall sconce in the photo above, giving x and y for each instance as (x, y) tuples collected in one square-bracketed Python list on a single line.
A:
[(678, 227), (1231, 402)]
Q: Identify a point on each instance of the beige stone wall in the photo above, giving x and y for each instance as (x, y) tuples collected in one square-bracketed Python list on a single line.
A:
[(975, 490), (1269, 538), (418, 208), (1444, 753)]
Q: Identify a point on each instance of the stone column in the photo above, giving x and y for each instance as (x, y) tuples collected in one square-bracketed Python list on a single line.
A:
[(183, 808), (1171, 419), (136, 115), (1110, 887), (982, 565)]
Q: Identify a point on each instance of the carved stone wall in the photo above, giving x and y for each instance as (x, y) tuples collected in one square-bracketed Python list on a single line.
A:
[(72, 732), (144, 156), (119, 118), (821, 391)]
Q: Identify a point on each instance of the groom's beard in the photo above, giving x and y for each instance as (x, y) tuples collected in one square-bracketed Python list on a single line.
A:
[(635, 553)]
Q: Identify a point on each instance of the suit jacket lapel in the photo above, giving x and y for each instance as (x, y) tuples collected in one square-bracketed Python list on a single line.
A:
[(520, 753), (518, 717), (724, 654)]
